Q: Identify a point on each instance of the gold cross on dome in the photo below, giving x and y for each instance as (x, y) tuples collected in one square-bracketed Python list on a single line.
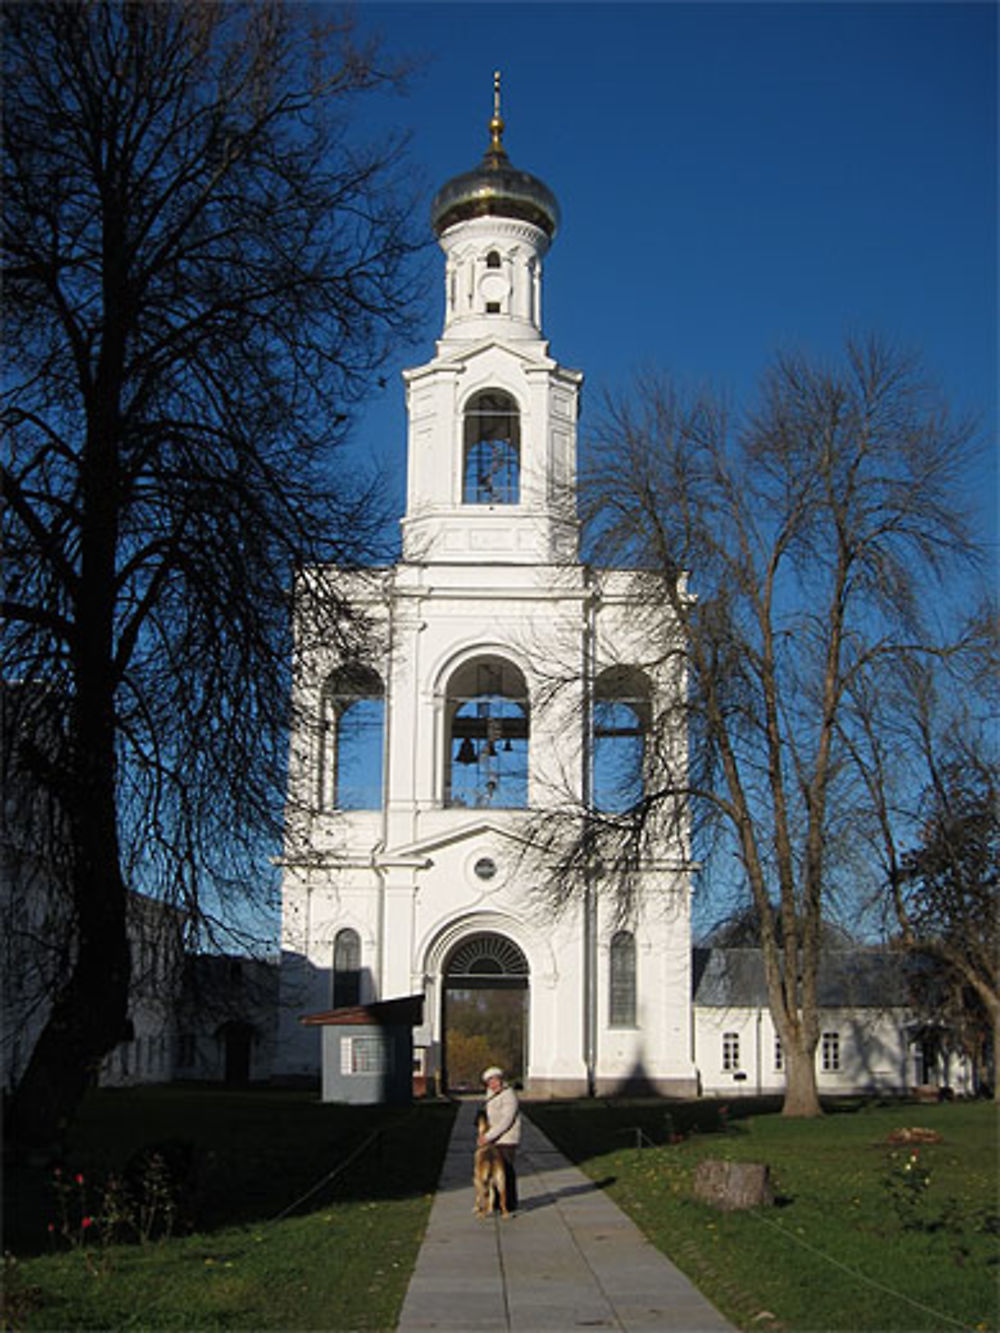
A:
[(496, 126)]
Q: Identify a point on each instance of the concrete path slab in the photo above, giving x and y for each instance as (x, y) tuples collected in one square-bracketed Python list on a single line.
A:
[(570, 1259)]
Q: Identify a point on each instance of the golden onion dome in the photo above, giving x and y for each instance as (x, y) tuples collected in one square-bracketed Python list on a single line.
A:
[(495, 188)]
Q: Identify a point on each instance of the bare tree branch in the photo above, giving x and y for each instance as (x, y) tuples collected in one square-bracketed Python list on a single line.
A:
[(813, 530)]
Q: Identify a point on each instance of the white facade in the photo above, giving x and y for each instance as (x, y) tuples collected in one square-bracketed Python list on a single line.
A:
[(147, 1053), (739, 1053), (493, 639), (860, 1051), (871, 1041)]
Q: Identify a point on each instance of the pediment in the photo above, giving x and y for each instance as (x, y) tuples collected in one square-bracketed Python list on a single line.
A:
[(469, 831), (535, 354), (465, 356)]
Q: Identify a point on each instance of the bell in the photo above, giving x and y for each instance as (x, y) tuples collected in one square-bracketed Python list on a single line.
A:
[(466, 752)]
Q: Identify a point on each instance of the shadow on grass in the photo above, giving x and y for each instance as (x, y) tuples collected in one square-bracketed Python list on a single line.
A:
[(593, 1127), (245, 1156)]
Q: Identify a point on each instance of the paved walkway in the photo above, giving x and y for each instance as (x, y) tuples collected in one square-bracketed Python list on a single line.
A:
[(570, 1258)]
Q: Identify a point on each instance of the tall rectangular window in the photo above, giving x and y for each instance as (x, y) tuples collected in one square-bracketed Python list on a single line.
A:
[(359, 754), (730, 1051), (492, 462), (346, 969), (621, 723), (622, 980), (353, 731), (830, 1052)]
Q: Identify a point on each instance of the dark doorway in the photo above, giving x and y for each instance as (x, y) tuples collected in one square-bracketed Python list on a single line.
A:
[(237, 1039), (485, 1011)]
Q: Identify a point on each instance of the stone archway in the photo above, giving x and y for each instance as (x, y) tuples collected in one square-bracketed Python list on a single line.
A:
[(484, 1019)]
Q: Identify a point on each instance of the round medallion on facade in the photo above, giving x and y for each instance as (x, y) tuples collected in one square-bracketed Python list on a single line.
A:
[(484, 872)]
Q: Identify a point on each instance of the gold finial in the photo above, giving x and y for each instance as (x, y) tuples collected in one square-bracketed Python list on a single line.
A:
[(496, 126)]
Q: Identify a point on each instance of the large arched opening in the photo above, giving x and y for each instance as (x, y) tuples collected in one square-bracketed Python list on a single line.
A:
[(484, 1019), (487, 718)]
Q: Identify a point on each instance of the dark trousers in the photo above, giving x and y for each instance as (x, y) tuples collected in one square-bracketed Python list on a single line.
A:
[(507, 1152)]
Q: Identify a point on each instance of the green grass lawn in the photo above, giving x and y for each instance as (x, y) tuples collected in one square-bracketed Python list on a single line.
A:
[(341, 1258), (857, 1240)]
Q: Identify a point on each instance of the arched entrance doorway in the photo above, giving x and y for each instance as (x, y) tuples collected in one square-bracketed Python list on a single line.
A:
[(485, 1010)]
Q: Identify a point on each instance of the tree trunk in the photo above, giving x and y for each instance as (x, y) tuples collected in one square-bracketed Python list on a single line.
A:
[(801, 1094), (87, 1019), (733, 1185), (90, 1011)]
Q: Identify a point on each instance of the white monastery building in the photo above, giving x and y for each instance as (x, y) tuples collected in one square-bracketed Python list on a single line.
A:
[(504, 681)]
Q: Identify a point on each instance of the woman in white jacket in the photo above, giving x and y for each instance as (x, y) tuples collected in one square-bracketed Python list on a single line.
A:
[(504, 1115)]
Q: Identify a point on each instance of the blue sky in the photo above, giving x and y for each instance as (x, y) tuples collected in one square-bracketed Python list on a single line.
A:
[(733, 179)]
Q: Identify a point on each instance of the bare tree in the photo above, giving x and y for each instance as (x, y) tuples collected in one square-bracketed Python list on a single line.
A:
[(813, 532), (921, 736), (204, 269), (948, 906)]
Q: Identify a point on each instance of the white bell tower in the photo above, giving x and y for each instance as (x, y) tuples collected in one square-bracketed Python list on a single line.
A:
[(499, 671), (492, 418)]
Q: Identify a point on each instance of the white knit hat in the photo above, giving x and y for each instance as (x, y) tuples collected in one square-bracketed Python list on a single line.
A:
[(492, 1072)]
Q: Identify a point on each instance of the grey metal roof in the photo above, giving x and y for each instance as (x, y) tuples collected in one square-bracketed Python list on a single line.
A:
[(860, 978)]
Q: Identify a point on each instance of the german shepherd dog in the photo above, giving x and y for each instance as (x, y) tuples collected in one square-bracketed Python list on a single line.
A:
[(489, 1174)]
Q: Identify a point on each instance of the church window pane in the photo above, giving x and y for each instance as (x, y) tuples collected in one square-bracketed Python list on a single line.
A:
[(622, 980), (493, 259), (620, 728), (354, 722), (346, 969), (492, 449), (487, 736)]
